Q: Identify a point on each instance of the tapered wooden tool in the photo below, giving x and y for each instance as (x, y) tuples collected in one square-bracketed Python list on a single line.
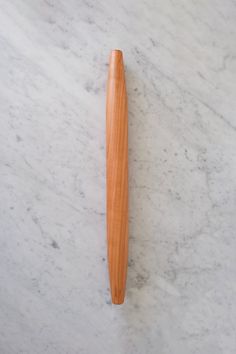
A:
[(117, 177)]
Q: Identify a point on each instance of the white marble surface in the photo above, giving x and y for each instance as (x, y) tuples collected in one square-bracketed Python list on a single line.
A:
[(181, 75)]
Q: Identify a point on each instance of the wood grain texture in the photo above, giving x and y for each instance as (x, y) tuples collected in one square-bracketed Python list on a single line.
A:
[(117, 176)]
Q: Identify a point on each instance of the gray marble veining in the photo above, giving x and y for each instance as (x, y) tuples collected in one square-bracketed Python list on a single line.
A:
[(181, 76)]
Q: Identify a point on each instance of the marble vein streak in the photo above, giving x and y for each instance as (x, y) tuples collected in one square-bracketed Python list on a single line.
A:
[(181, 78)]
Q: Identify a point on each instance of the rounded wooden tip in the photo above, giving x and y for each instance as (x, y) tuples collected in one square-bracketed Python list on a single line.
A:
[(118, 302), (116, 57), (116, 52), (116, 66), (117, 296)]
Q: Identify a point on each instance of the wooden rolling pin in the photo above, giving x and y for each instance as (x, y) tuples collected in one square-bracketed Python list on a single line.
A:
[(117, 176)]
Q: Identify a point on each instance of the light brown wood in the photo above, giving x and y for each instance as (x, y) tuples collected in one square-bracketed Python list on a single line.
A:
[(117, 176)]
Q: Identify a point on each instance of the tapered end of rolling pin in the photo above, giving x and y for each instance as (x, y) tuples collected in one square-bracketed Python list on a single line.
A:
[(117, 177), (116, 65)]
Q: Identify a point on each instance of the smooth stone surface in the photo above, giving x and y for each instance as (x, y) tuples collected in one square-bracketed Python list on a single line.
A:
[(181, 76)]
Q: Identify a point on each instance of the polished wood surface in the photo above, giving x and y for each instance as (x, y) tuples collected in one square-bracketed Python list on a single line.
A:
[(117, 176)]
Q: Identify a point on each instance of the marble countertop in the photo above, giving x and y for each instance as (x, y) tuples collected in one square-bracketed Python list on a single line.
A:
[(180, 61)]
